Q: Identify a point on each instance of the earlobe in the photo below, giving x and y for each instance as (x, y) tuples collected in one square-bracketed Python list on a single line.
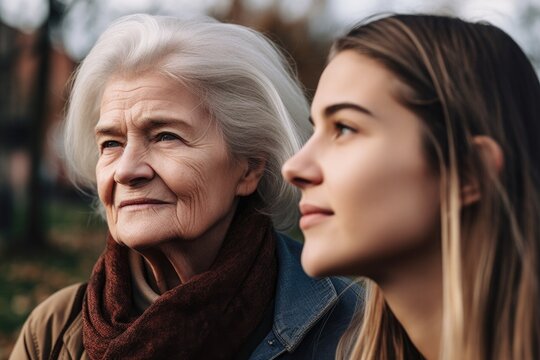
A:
[(492, 155), (251, 177), (470, 193)]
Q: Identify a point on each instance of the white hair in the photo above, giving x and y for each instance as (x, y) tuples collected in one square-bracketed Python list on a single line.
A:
[(242, 78)]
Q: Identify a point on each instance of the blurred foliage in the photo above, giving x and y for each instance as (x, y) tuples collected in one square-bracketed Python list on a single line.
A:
[(30, 275)]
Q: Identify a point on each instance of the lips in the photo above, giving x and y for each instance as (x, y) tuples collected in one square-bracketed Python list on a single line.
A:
[(313, 215), (141, 201)]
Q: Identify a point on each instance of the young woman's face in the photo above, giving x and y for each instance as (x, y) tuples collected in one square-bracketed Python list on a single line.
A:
[(369, 200)]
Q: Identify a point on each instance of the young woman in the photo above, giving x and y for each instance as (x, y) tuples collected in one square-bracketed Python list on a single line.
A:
[(423, 176)]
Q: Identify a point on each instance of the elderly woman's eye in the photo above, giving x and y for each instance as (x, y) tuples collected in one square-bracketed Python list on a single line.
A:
[(166, 137), (109, 144)]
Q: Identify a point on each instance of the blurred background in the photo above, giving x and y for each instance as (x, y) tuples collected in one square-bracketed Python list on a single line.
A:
[(49, 235)]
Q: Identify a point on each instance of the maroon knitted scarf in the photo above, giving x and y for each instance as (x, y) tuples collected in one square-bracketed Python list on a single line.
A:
[(209, 317)]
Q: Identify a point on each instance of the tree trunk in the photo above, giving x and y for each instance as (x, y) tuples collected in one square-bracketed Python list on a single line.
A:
[(35, 230)]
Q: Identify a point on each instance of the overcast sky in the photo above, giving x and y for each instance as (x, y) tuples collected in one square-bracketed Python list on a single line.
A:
[(338, 15)]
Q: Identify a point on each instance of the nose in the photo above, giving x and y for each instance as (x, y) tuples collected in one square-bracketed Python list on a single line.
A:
[(133, 167), (302, 170)]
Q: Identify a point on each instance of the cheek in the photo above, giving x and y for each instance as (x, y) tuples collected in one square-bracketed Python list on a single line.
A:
[(385, 180), (105, 184), (395, 211), (105, 187), (219, 183), (186, 178), (198, 187), (386, 210), (216, 184)]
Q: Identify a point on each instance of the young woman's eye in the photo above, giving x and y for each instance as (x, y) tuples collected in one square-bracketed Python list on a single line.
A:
[(342, 129)]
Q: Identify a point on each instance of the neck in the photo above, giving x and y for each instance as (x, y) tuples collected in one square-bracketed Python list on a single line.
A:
[(414, 295), (176, 261)]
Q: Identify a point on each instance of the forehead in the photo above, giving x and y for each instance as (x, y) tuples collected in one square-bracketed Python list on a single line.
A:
[(148, 95), (351, 77), (147, 86)]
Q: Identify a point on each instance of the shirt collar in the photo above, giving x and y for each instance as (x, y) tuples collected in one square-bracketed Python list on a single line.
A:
[(143, 294)]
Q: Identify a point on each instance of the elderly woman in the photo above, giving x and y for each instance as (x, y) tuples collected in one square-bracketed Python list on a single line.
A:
[(182, 127)]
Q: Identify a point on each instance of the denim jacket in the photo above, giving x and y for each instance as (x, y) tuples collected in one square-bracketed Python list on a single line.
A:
[(310, 314)]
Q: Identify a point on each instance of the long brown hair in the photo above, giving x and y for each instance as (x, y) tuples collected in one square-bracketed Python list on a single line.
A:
[(465, 79)]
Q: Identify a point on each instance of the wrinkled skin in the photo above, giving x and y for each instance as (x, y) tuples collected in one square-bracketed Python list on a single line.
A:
[(165, 175)]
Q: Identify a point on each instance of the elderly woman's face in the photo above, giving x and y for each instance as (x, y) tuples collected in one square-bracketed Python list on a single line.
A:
[(164, 171)]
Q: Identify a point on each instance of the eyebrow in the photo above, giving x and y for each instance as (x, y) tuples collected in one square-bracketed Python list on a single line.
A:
[(106, 130), (332, 109), (147, 124)]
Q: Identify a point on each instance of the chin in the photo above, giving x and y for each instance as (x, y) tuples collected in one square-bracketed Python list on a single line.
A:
[(137, 240), (327, 263), (315, 266)]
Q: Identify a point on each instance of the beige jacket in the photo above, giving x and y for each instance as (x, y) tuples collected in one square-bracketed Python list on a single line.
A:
[(41, 329), (43, 326)]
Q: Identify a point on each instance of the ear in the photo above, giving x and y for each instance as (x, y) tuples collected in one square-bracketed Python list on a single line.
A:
[(251, 176), (492, 155)]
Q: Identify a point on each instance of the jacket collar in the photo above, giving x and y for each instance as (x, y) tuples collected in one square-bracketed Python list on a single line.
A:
[(300, 300)]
